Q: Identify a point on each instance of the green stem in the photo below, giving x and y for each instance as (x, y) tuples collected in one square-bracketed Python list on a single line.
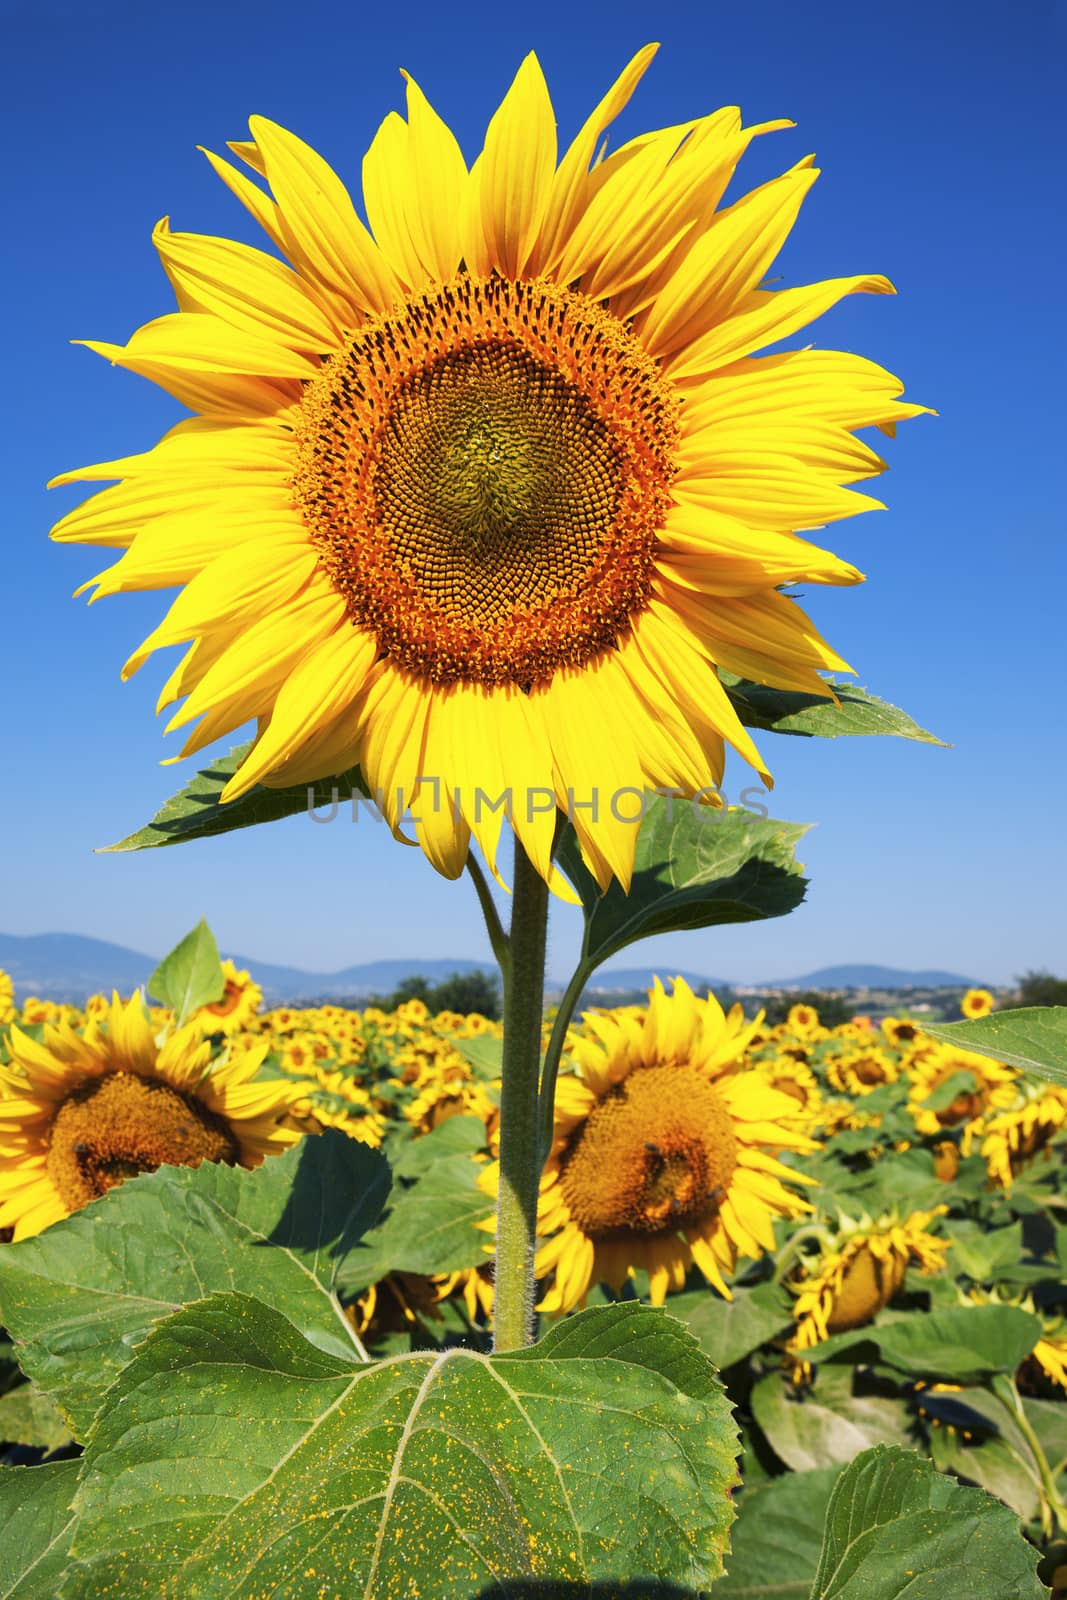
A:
[(1053, 1510), (520, 1154), (547, 1097), (498, 939), (792, 1251)]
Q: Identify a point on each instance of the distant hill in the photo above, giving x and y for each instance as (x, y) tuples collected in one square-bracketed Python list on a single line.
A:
[(856, 976), (69, 966), (625, 980)]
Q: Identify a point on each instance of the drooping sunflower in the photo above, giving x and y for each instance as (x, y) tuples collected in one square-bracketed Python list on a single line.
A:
[(236, 1010), (1016, 1135), (952, 1088), (484, 493), (79, 1113), (977, 1003), (664, 1154), (847, 1285)]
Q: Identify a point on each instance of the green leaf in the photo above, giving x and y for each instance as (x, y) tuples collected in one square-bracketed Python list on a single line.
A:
[(606, 1452), (482, 1052), (79, 1295), (805, 1433), (431, 1226), (191, 976), (731, 1329), (777, 1539), (993, 1466), (1033, 1038), (28, 1417), (36, 1519), (963, 1345), (693, 868), (984, 1253), (790, 711), (897, 1530), (455, 1136), (197, 812)]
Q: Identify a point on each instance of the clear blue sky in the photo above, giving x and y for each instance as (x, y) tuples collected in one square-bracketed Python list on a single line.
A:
[(939, 130)]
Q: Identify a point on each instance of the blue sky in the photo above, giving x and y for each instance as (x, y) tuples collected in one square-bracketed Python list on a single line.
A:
[(939, 132)]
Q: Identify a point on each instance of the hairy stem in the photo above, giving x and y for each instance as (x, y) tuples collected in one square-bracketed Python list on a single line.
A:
[(520, 1150)]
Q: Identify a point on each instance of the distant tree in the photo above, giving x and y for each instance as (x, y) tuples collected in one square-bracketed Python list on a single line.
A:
[(1038, 989), (464, 992), (468, 991), (831, 1008)]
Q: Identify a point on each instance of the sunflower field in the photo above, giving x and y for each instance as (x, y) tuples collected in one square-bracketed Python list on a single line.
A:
[(880, 1281), (487, 499)]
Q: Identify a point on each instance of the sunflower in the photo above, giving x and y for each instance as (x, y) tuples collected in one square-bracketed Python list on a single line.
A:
[(900, 1030), (802, 1019), (7, 998), (951, 1088), (482, 495), (237, 1008), (1013, 1137), (977, 1003), (662, 1154), (81, 1112), (860, 1072), (797, 1080), (850, 1282)]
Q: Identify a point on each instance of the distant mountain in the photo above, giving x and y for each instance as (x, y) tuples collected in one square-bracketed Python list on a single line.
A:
[(856, 976), (68, 966), (625, 980)]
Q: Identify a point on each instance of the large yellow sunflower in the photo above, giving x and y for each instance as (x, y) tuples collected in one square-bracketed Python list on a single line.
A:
[(484, 493), (663, 1153), (81, 1112)]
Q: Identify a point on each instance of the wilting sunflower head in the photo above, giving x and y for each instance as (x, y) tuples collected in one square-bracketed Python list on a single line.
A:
[(977, 1003), (664, 1154), (484, 490), (848, 1284), (951, 1088), (81, 1112), (1023, 1130), (236, 1010)]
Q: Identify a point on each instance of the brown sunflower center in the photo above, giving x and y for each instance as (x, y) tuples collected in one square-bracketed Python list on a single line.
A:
[(867, 1286), (123, 1124), (484, 474), (656, 1154)]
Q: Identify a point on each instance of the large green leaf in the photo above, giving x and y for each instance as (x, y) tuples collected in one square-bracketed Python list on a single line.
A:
[(694, 867), (730, 1329), (77, 1297), (605, 1452), (806, 1433), (197, 811), (777, 1539), (898, 1530), (1033, 1038), (191, 976), (36, 1522), (792, 711), (962, 1345)]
